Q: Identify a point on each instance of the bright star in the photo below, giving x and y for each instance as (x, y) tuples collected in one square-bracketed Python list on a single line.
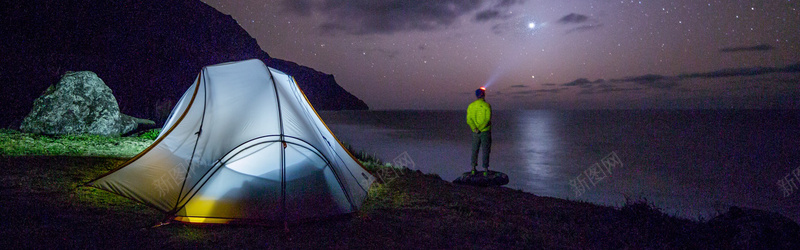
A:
[(531, 25)]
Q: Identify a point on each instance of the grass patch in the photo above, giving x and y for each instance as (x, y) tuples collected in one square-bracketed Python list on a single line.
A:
[(151, 134), (16, 143)]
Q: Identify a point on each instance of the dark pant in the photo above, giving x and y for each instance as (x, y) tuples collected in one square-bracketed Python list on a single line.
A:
[(482, 141)]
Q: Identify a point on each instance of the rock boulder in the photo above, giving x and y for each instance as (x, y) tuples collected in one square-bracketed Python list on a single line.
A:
[(80, 103), (492, 178)]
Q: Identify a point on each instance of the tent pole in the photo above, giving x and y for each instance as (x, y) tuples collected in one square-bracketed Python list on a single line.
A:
[(194, 150), (283, 149)]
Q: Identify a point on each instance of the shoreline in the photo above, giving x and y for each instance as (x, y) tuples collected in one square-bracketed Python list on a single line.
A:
[(43, 198)]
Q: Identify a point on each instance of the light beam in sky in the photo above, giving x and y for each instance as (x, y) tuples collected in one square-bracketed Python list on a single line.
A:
[(523, 28), (494, 76)]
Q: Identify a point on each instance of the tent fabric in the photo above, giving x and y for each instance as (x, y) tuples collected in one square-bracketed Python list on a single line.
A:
[(243, 143)]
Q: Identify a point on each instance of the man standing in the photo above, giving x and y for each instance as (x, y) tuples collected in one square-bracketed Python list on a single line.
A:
[(479, 119)]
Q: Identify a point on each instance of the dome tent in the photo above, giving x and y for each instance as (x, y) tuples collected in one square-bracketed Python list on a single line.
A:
[(243, 143)]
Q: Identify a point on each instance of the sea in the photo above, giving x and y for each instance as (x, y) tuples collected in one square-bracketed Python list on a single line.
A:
[(692, 164)]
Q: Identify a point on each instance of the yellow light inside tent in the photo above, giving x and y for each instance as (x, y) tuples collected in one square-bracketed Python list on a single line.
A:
[(202, 220), (200, 207)]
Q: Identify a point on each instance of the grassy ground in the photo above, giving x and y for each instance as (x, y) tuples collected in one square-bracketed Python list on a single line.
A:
[(15, 143), (44, 205)]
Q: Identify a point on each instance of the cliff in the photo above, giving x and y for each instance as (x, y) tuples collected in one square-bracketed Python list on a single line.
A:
[(147, 51)]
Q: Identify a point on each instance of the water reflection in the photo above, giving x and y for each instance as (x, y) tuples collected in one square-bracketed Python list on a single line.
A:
[(538, 148), (684, 161)]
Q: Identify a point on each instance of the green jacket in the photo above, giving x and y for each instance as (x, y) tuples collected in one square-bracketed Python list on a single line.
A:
[(479, 115)]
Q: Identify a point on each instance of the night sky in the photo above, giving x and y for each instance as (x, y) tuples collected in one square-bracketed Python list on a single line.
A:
[(565, 54)]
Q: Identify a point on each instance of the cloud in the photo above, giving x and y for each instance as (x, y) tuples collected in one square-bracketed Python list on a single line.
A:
[(603, 86), (518, 86), (496, 11), (573, 18), (501, 28), (390, 16), (586, 23), (538, 91), (581, 82), (671, 82), (606, 89), (487, 15), (550, 90), (615, 89), (508, 3), (743, 71), (583, 28), (655, 81), (645, 78), (760, 47)]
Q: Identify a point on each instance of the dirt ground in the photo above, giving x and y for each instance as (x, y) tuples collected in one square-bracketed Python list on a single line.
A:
[(45, 205)]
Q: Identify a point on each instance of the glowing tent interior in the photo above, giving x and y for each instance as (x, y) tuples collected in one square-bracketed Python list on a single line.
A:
[(243, 144)]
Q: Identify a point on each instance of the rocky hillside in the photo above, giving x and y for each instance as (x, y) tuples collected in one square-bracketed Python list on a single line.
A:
[(147, 51)]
